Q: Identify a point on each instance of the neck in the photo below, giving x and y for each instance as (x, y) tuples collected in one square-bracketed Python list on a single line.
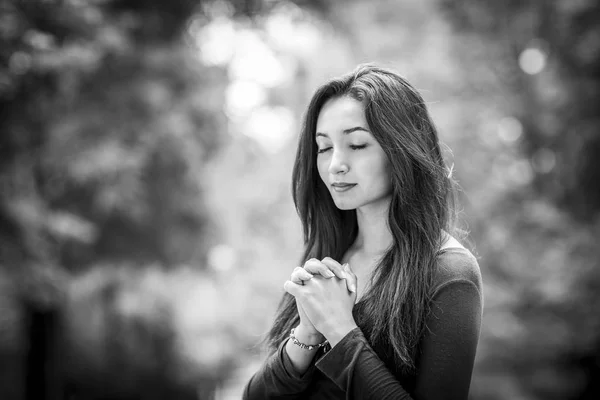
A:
[(374, 235)]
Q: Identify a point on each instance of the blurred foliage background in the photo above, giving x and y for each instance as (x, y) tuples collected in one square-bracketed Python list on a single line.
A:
[(146, 221)]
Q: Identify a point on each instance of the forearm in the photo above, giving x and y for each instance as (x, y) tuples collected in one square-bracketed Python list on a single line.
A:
[(355, 367), (278, 376), (301, 358)]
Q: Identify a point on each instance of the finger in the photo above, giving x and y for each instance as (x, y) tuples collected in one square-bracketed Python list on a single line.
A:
[(292, 288), (300, 275), (315, 266), (353, 280), (335, 267), (303, 274), (340, 272)]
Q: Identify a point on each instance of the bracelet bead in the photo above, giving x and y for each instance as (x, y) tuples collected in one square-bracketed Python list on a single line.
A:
[(306, 346)]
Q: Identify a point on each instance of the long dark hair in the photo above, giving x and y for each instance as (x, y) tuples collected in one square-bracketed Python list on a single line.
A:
[(392, 312)]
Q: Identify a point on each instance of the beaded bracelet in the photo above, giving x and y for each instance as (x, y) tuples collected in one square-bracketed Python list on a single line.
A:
[(306, 346)]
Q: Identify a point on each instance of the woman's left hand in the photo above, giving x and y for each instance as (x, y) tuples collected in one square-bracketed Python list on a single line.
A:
[(327, 303)]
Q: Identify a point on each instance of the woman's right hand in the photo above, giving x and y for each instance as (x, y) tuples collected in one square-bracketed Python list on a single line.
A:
[(299, 275), (311, 268)]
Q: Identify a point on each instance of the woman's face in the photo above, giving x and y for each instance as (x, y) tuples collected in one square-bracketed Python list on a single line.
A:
[(350, 161)]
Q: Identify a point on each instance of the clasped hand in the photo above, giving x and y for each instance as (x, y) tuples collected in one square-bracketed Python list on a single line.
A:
[(325, 293)]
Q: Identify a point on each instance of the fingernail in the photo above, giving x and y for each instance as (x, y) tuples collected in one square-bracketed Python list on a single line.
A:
[(353, 288), (346, 266), (330, 274)]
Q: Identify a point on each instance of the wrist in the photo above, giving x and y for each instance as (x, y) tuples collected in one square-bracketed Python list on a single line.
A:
[(308, 335), (336, 334)]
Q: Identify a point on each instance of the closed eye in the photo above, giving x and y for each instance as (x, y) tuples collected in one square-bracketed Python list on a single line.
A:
[(323, 150), (358, 147)]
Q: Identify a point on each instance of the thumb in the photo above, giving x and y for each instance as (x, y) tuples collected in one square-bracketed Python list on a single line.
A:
[(352, 280)]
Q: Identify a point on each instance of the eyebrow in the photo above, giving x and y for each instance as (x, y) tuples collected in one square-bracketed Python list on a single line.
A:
[(345, 131)]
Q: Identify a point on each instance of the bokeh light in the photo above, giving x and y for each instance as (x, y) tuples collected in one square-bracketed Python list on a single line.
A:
[(292, 29), (543, 161), (242, 97), (255, 60), (510, 129), (222, 258), (271, 127), (532, 60), (216, 41)]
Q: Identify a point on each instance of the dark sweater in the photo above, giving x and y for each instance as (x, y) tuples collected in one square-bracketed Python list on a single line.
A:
[(353, 369)]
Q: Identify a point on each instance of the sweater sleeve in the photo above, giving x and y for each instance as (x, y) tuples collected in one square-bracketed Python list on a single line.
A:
[(445, 362), (449, 345), (277, 379)]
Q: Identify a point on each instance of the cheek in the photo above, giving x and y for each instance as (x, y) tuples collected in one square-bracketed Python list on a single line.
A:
[(383, 177)]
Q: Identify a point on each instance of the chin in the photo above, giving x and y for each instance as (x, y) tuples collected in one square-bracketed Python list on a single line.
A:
[(344, 205)]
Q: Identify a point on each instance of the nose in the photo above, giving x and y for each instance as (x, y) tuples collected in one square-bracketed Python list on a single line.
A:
[(338, 164)]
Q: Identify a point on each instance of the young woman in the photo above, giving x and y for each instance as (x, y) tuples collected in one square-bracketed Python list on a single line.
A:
[(387, 304)]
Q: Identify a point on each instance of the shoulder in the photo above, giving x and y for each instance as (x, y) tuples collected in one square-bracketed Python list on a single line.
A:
[(456, 265)]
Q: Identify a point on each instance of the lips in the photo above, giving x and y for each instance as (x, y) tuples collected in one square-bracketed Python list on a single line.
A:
[(342, 186)]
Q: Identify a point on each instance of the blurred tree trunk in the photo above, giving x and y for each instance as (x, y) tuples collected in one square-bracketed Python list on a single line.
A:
[(44, 378)]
